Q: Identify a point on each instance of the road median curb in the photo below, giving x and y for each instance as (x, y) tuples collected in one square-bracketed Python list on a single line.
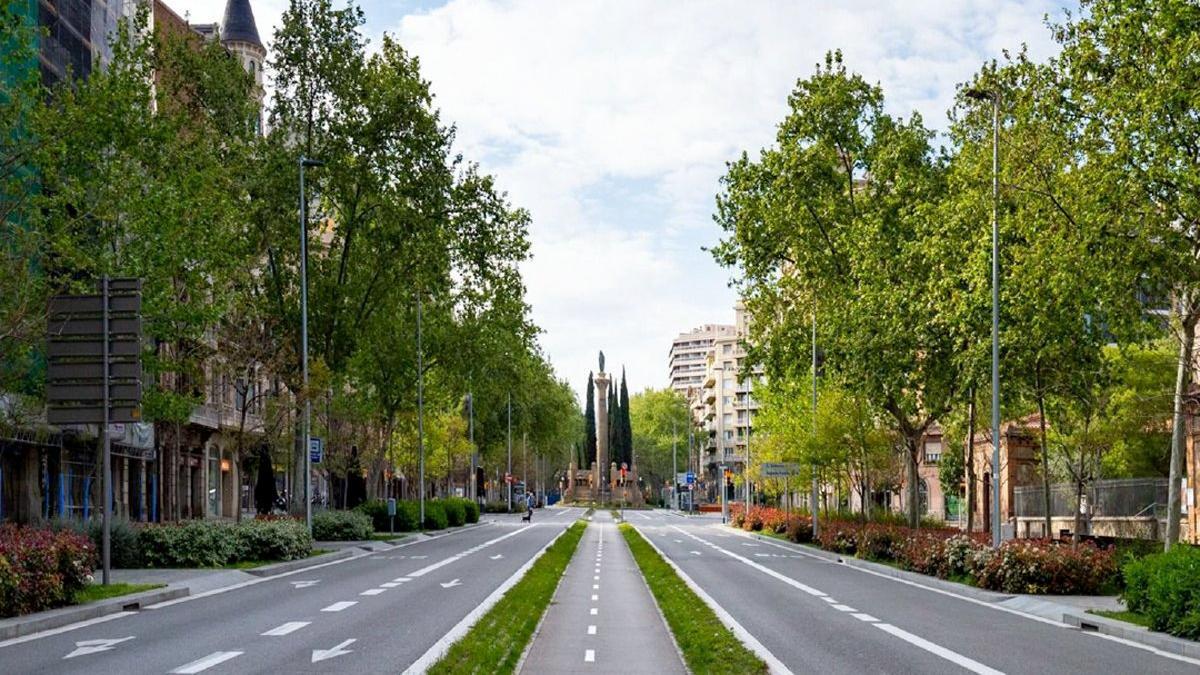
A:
[(21, 626)]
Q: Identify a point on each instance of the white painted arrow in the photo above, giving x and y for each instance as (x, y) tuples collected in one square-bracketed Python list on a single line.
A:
[(497, 556), (452, 584), (85, 647), (305, 584), (339, 650)]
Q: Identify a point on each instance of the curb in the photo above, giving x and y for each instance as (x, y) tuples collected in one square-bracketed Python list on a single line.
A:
[(1071, 616), (64, 616), (292, 565)]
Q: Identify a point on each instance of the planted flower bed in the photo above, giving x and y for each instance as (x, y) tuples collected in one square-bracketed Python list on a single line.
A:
[(1037, 566), (41, 569)]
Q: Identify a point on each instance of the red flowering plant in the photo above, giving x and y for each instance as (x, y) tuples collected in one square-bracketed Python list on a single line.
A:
[(40, 569), (1046, 566)]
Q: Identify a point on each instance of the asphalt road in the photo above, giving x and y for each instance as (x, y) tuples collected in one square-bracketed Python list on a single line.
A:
[(815, 615), (371, 614)]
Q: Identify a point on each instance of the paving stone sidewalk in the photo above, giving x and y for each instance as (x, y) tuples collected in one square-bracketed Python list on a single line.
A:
[(603, 618)]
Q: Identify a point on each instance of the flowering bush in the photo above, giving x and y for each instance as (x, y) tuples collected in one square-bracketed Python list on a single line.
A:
[(40, 569), (799, 529), (1045, 566)]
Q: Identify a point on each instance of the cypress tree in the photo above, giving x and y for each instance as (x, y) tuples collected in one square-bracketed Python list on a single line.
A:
[(626, 424), (614, 422), (589, 424)]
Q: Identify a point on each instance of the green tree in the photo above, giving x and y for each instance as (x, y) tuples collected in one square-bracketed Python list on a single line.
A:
[(589, 422), (659, 421)]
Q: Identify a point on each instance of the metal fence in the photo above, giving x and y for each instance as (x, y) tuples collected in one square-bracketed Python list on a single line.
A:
[(1126, 497)]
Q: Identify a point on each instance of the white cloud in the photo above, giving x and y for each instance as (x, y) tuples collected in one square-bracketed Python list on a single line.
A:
[(611, 121)]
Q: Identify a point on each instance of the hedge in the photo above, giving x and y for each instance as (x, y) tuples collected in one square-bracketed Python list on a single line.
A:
[(205, 543), (41, 568), (342, 526), (435, 516), (456, 512), (1165, 587)]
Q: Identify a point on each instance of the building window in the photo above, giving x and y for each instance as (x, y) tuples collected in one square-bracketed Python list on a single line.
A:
[(727, 349), (728, 419), (933, 452)]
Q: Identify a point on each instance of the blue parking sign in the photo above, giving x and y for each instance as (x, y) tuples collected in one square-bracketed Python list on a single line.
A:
[(316, 450)]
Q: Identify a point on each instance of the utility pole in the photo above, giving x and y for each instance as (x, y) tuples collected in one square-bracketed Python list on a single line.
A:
[(421, 408), (674, 469), (471, 488), (815, 496), (306, 430), (508, 476)]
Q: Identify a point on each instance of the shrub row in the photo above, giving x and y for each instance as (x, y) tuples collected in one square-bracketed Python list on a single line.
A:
[(41, 569), (439, 514), (1166, 588), (342, 526), (1018, 566), (198, 543)]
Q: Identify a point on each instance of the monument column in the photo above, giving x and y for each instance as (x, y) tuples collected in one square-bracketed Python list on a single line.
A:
[(601, 381)]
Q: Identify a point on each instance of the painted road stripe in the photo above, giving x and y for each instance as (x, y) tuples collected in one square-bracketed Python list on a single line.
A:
[(390, 584), (589, 655), (339, 606), (205, 663), (459, 556), (289, 627), (595, 597), (595, 611), (844, 608), (591, 630), (863, 616), (914, 640), (373, 591), (954, 657)]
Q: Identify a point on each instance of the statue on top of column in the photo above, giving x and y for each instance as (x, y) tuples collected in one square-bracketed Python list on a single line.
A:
[(602, 360)]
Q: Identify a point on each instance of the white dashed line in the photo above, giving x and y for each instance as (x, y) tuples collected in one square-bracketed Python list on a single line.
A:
[(595, 597), (595, 611), (373, 591), (589, 655), (205, 663), (591, 630), (390, 584), (339, 606), (844, 608), (954, 657), (289, 627), (862, 616)]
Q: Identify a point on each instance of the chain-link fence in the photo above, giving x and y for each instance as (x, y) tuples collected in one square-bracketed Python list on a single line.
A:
[(1126, 497)]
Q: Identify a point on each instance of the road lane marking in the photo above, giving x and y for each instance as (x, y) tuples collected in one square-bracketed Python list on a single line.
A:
[(400, 580), (373, 591), (451, 584), (596, 577), (205, 663), (594, 611), (863, 616), (439, 648), (289, 627), (591, 630), (390, 584), (912, 639), (595, 597), (337, 650), (829, 599), (844, 608), (1154, 650), (305, 584), (85, 647), (339, 606), (952, 656), (75, 626), (459, 556), (589, 655), (595, 587)]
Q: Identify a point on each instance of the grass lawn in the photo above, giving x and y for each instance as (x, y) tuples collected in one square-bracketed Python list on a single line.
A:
[(384, 536), (1124, 615), (708, 646), (495, 643), (94, 592)]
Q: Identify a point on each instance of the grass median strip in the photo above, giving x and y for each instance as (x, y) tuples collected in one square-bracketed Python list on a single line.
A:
[(708, 646), (495, 643), (94, 592)]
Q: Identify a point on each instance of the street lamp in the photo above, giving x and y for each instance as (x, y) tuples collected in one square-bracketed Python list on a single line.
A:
[(987, 95), (508, 476), (307, 425), (421, 408), (814, 494)]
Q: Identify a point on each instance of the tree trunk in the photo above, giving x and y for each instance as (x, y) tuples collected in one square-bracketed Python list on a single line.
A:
[(971, 499), (914, 505), (1080, 480), (1179, 421), (1041, 401)]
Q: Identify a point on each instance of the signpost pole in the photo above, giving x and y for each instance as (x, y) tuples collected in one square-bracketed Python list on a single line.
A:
[(105, 442)]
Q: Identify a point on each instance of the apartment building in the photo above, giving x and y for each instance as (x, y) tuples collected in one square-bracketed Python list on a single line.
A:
[(686, 360)]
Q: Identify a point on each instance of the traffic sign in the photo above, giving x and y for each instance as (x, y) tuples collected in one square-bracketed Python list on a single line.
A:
[(316, 450), (691, 478), (780, 469)]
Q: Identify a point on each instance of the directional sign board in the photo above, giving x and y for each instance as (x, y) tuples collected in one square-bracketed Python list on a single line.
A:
[(691, 478), (316, 450), (80, 380), (780, 469)]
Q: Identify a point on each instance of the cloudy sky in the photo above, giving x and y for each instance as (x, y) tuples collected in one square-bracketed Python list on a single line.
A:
[(611, 121)]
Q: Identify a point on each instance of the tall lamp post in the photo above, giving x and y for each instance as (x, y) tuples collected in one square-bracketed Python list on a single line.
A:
[(508, 476), (814, 496), (993, 96), (307, 424), (421, 409)]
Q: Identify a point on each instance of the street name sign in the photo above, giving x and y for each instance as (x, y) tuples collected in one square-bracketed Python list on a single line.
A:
[(780, 469)]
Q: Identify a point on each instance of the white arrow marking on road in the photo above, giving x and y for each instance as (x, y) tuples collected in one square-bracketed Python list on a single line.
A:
[(305, 584), (85, 647), (339, 650), (452, 584), (496, 557)]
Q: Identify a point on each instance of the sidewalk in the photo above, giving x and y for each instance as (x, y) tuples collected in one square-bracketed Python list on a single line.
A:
[(603, 618)]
